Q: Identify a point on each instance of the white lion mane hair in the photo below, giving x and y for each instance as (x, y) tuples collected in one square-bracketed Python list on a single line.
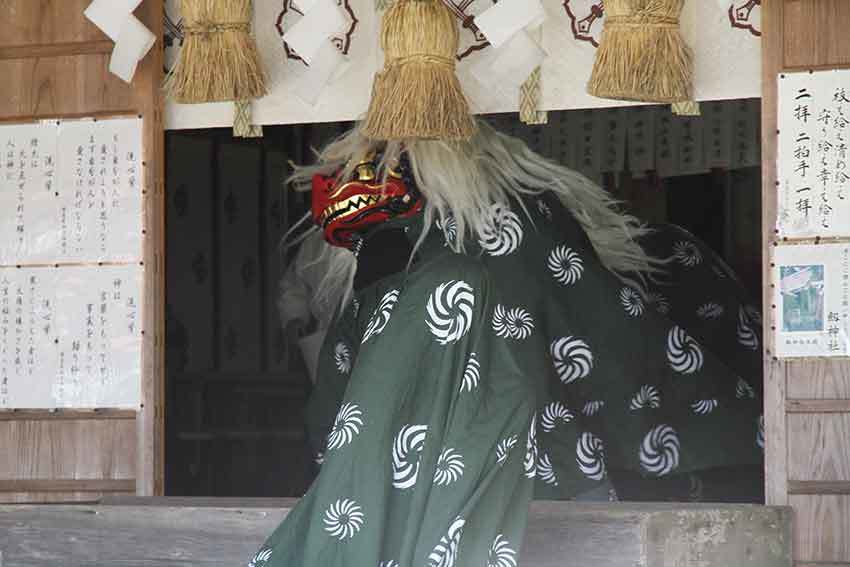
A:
[(463, 180)]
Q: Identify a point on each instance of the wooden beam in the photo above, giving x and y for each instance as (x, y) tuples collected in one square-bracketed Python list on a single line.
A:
[(63, 414), (817, 406), (68, 485), (56, 49), (559, 533), (839, 487)]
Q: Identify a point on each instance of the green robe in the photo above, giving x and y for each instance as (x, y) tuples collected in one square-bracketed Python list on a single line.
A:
[(453, 393)]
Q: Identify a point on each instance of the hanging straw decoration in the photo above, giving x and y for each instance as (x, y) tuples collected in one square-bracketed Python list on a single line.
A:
[(642, 56), (218, 60), (530, 94), (418, 95)]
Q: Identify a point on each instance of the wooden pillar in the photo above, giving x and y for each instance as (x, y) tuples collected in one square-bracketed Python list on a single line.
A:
[(53, 64), (807, 403)]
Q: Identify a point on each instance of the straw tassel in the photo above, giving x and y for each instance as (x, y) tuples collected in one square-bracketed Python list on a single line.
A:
[(530, 94), (218, 60), (642, 55), (418, 94)]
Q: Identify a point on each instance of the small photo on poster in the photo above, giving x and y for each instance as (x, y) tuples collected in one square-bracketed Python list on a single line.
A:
[(802, 289)]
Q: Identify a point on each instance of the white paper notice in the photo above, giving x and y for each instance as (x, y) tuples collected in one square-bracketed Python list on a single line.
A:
[(505, 69), (506, 18), (71, 192), (812, 298), (70, 337), (812, 161), (133, 43), (308, 34), (312, 80)]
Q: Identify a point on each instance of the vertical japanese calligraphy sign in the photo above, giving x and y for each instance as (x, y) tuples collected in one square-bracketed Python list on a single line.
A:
[(813, 166)]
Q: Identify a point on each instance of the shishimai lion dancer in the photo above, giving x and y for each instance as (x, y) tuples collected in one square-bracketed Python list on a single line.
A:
[(505, 334)]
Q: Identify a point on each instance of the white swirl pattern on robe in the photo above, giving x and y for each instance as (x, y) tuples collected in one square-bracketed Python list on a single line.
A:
[(445, 552), (381, 317), (546, 471), (530, 461), (572, 357), (659, 452), (342, 358), (501, 554), (710, 310), (471, 374), (407, 446), (449, 467), (504, 447), (753, 314), (544, 209), (760, 433), (450, 311), (566, 265), (744, 390), (747, 338), (261, 558), (449, 228), (344, 519), (554, 412), (704, 407), (516, 323), (687, 253), (683, 352), (593, 407), (389, 563), (347, 424), (501, 233), (661, 303), (590, 456), (647, 397), (632, 301)]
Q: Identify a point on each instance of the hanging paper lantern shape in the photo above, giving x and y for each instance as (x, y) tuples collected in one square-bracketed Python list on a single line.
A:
[(218, 60), (642, 55), (418, 94), (746, 16), (586, 18)]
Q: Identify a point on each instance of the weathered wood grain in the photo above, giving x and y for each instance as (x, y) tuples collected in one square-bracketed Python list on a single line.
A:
[(559, 534), (822, 527), (815, 33), (820, 447)]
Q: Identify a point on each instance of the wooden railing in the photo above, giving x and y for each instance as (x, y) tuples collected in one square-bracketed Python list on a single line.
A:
[(162, 532)]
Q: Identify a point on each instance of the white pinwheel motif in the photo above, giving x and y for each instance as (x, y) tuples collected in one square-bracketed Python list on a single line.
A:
[(501, 232), (407, 447), (590, 456), (709, 311), (343, 519), (593, 407), (445, 552), (504, 447), (501, 554), (390, 563), (544, 209), (319, 459), (530, 461), (747, 337), (744, 390), (261, 558), (753, 314), (631, 301), (760, 433), (381, 316), (450, 311), (553, 413), (546, 471), (704, 407), (342, 358), (516, 323), (683, 352), (659, 452), (471, 374), (687, 253), (449, 467), (449, 227), (661, 303), (572, 357), (346, 425), (647, 397), (566, 265)]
